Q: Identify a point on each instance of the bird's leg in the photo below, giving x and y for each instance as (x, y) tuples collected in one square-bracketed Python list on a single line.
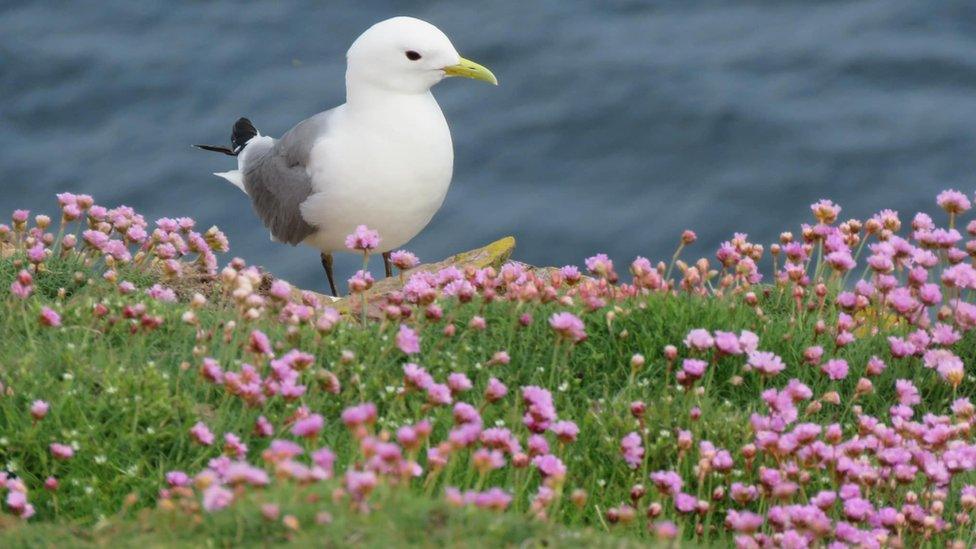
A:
[(387, 265), (327, 265)]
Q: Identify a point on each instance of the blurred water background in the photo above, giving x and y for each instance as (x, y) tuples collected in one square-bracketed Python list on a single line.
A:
[(616, 125)]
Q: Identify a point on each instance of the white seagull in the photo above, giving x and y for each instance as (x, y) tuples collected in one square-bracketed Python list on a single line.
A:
[(383, 159)]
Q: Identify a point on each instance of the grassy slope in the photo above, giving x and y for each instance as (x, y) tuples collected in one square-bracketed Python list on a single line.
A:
[(129, 400)]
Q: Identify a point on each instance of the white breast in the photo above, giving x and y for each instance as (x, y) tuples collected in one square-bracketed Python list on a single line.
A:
[(387, 168)]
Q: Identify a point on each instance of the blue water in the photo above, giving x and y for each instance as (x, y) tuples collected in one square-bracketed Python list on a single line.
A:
[(616, 125)]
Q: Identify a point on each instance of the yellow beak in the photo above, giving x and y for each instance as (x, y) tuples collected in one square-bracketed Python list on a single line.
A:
[(470, 69)]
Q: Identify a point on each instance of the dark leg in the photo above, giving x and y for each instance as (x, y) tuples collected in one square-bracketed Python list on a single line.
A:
[(327, 265), (387, 264)]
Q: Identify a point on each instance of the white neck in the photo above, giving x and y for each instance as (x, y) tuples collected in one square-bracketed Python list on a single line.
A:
[(384, 106)]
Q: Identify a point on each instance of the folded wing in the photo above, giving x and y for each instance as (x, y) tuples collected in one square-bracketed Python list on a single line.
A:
[(275, 174)]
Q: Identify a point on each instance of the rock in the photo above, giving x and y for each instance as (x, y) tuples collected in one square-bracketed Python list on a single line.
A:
[(492, 255)]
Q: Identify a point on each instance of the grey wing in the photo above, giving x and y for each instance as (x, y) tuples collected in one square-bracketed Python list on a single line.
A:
[(278, 182)]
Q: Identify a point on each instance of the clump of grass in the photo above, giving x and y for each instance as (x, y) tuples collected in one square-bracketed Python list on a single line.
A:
[(148, 392)]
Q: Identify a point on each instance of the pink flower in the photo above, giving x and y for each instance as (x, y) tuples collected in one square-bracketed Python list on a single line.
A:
[(216, 497), (550, 466), (363, 239), (458, 383), (38, 409), (485, 460), (668, 482), (439, 394), (571, 274), (407, 340), (161, 293), (259, 343), (17, 503), (727, 343), (324, 458), (177, 478), (201, 434), (899, 347), (308, 427), (766, 363), (280, 290), (50, 318), (693, 368), (908, 394), (825, 211), (61, 451), (565, 431), (632, 450), (953, 202), (600, 265), (875, 366), (360, 484), (263, 427), (361, 281), (685, 503), (568, 326), (404, 260), (495, 391), (835, 368), (416, 377), (699, 340), (359, 415)]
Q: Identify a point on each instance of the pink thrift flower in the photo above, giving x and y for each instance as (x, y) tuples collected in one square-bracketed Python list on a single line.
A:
[(550, 466), (361, 281), (61, 451), (875, 366), (201, 434), (632, 450), (908, 394), (685, 503), (50, 318), (568, 326), (727, 343), (953, 202), (404, 260), (363, 239), (259, 343), (308, 427), (177, 478), (280, 290), (600, 265), (359, 415), (835, 369), (495, 391), (407, 340), (668, 482), (699, 340), (825, 211), (439, 394), (766, 363), (216, 497), (263, 427), (565, 431), (416, 377), (38, 409), (458, 383)]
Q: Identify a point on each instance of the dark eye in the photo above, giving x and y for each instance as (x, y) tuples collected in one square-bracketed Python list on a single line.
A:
[(412, 55)]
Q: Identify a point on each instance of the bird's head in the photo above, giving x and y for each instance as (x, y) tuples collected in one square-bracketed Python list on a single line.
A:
[(407, 55)]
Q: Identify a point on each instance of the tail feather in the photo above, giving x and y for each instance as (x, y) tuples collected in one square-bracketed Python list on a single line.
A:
[(243, 132)]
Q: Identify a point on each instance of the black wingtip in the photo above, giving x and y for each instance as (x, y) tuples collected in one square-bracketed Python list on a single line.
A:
[(242, 133), (215, 148)]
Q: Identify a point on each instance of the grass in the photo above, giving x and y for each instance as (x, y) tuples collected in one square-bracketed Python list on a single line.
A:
[(125, 396)]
